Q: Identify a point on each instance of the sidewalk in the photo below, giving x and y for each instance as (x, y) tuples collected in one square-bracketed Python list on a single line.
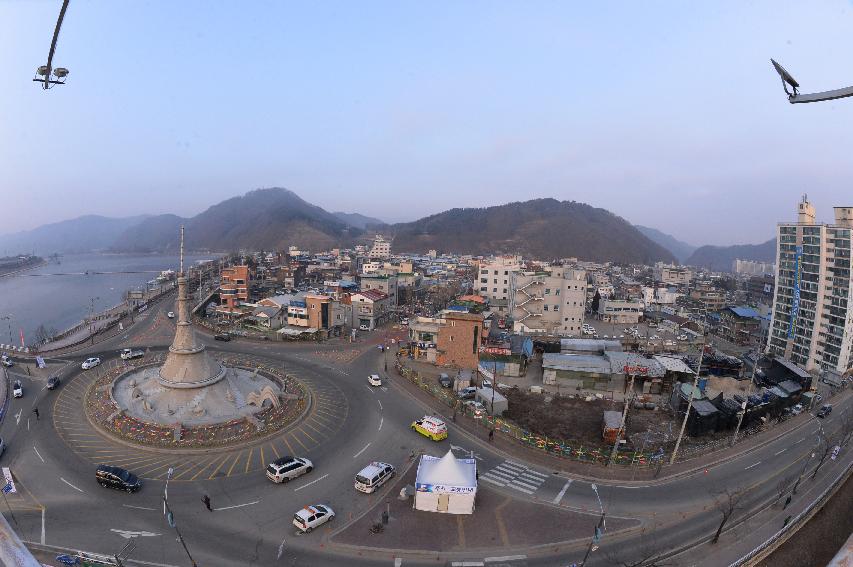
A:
[(592, 471)]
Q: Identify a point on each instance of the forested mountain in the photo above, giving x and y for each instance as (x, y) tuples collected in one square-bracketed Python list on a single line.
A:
[(720, 258)]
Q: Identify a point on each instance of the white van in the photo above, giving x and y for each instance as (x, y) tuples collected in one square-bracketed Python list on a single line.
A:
[(374, 475)]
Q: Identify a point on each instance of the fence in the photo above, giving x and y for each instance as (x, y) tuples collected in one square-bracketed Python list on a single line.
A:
[(575, 450)]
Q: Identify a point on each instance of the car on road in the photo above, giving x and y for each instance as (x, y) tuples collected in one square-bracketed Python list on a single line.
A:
[(53, 383), (310, 517), (222, 337), (118, 478), (17, 389), (654, 338), (797, 409), (681, 337), (7, 361), (444, 380), (467, 393), (431, 427), (130, 354), (486, 383), (287, 468), (374, 380), (170, 314), (374, 475), (824, 411), (90, 363)]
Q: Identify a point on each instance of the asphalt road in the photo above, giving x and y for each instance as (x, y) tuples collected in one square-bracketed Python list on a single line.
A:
[(58, 502)]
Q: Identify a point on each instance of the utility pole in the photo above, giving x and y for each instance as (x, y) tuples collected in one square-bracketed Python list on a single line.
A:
[(170, 517), (599, 528), (742, 411), (689, 404), (624, 415)]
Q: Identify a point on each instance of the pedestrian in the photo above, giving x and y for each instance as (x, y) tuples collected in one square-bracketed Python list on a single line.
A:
[(787, 501), (491, 435), (36, 411), (206, 500)]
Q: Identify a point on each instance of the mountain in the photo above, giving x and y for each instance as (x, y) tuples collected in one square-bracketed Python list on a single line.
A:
[(720, 258), (681, 250), (81, 234), (358, 220), (263, 219), (543, 228)]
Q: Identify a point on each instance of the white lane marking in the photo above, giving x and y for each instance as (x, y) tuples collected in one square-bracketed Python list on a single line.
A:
[(526, 484), (42, 525), (38, 454), (533, 476), (128, 534), (504, 558), (398, 562), (139, 507), (381, 420), (18, 417), (562, 492), (380, 403), (520, 489), (360, 452), (752, 465), (369, 388), (468, 564), (28, 424), (780, 452), (310, 483), (281, 548), (489, 480), (501, 475), (236, 506), (801, 440), (71, 485)]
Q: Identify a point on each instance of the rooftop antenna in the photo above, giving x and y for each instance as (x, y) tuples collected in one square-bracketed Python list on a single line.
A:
[(182, 251)]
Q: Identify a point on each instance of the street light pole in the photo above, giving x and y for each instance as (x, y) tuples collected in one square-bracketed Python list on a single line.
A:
[(170, 517), (596, 536)]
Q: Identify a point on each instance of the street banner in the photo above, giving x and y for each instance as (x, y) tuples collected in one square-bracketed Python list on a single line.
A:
[(40, 362), (7, 474)]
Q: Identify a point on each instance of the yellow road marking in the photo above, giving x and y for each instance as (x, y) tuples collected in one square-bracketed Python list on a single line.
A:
[(293, 434), (203, 462), (274, 450), (249, 459), (315, 416), (305, 433), (149, 471), (320, 433), (215, 471), (237, 458), (460, 531), (262, 456)]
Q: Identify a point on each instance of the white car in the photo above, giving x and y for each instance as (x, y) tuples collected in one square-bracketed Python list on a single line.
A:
[(310, 517), (363, 328), (90, 363), (681, 337), (655, 338), (475, 408), (170, 314), (374, 380), (287, 468), (6, 361), (17, 389)]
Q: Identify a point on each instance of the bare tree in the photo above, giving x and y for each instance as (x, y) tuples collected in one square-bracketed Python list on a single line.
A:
[(43, 334), (727, 502), (823, 450), (647, 554), (783, 485), (845, 432)]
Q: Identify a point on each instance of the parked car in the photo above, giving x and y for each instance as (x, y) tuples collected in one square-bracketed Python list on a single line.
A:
[(374, 380), (170, 314), (444, 380), (287, 468), (467, 393), (374, 475), (7, 361), (681, 337), (475, 408), (53, 383), (222, 337), (310, 517), (17, 389), (90, 363), (118, 478), (431, 427), (486, 383), (363, 327), (130, 354), (824, 411), (797, 409)]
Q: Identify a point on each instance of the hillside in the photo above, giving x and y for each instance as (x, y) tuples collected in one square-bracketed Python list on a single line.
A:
[(263, 219), (543, 228), (681, 250), (720, 258), (358, 220), (81, 234)]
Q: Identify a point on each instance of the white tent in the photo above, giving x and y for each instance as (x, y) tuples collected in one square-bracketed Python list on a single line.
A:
[(447, 484)]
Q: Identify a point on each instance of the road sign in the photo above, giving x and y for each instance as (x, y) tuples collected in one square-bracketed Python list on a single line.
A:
[(7, 474)]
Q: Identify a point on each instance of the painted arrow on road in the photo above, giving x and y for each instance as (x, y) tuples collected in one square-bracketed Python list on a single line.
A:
[(128, 534), (18, 417)]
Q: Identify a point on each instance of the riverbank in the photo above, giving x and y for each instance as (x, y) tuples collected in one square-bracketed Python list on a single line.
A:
[(13, 270)]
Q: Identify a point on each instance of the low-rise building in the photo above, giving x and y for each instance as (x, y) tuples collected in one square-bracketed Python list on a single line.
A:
[(670, 274), (234, 286), (369, 308), (548, 302), (740, 325), (621, 311)]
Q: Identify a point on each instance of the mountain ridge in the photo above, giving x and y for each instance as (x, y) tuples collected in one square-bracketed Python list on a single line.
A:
[(720, 258), (680, 249)]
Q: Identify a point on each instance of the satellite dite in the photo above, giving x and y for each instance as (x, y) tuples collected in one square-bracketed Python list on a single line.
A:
[(795, 97)]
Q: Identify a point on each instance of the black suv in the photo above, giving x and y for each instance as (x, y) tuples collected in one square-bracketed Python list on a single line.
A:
[(824, 411), (52, 382), (222, 337), (118, 478)]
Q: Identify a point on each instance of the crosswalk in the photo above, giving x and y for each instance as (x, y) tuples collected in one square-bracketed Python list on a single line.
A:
[(516, 476)]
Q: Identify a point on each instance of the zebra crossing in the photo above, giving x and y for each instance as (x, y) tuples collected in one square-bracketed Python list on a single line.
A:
[(516, 476)]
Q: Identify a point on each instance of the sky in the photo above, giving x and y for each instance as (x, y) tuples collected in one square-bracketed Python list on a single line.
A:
[(665, 113)]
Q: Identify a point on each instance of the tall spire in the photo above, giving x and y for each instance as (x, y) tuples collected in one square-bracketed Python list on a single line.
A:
[(182, 250)]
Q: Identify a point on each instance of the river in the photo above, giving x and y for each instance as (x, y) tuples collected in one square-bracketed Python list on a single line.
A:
[(61, 295)]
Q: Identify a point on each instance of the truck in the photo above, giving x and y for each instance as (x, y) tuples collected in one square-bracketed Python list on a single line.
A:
[(129, 354)]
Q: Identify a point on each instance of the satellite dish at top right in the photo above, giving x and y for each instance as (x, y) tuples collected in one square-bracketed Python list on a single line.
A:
[(794, 95)]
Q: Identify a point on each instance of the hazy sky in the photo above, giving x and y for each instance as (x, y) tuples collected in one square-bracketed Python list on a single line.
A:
[(666, 113)]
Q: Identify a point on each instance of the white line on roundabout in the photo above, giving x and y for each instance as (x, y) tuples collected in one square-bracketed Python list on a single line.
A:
[(381, 420), (369, 388), (38, 454), (752, 465), (380, 403), (71, 485), (360, 452), (139, 507), (310, 483), (236, 506)]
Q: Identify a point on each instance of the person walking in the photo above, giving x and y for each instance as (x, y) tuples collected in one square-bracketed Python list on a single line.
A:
[(36, 411), (206, 500), (491, 435)]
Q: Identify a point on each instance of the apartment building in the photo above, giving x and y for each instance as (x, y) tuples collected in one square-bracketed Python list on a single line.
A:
[(381, 248), (812, 321), (672, 275), (623, 311), (385, 283), (234, 286), (550, 303), (494, 278), (712, 298), (752, 268)]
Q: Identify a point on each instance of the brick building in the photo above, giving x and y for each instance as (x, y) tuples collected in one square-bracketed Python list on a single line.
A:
[(458, 340), (234, 286)]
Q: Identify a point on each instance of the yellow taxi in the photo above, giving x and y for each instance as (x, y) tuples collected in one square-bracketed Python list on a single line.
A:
[(431, 427)]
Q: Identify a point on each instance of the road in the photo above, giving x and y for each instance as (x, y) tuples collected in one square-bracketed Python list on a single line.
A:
[(58, 502)]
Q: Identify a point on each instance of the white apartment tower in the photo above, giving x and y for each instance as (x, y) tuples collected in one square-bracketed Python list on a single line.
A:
[(494, 277), (381, 248), (812, 322), (550, 303)]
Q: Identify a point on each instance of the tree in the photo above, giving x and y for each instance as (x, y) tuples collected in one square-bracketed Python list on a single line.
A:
[(823, 450), (727, 502), (845, 432), (782, 487), (596, 299), (43, 334)]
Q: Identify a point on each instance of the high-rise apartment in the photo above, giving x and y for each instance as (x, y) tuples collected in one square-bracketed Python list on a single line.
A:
[(551, 302), (812, 322)]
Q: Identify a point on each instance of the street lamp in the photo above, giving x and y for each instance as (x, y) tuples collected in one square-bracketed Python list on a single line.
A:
[(795, 97), (170, 517), (46, 74), (599, 528), (8, 318)]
